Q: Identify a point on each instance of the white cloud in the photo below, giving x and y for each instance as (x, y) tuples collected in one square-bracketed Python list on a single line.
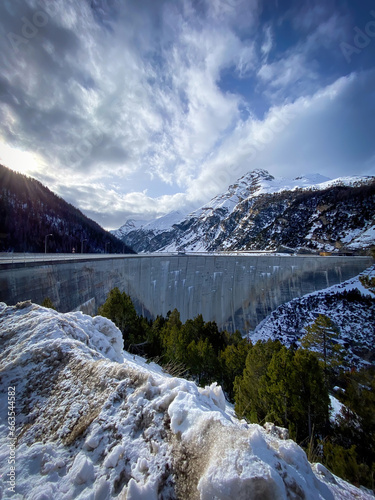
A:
[(242, 14), (267, 44), (286, 71), (295, 138), (112, 208)]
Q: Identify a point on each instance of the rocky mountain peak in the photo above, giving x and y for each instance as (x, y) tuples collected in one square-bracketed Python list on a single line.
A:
[(261, 212), (250, 183), (257, 175)]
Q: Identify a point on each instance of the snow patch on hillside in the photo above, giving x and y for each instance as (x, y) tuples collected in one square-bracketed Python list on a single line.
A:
[(353, 315), (358, 239), (336, 408), (165, 222), (93, 422)]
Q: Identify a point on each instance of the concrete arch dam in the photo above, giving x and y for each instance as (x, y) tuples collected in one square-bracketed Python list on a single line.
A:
[(236, 291)]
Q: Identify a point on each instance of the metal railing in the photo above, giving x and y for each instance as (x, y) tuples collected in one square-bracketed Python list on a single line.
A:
[(10, 258)]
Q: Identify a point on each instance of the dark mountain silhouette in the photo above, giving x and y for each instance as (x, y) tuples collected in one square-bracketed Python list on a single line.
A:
[(29, 212)]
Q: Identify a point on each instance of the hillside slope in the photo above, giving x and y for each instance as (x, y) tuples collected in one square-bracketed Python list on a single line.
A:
[(350, 305), (29, 211), (95, 422), (260, 212)]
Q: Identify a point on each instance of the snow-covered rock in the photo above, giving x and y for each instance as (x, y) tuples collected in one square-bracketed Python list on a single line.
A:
[(95, 423)]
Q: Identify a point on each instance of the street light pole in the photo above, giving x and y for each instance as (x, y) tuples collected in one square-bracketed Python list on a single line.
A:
[(45, 241), (107, 243), (82, 245)]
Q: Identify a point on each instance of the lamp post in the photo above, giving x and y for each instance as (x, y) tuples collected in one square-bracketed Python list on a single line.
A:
[(82, 241), (107, 243), (45, 241)]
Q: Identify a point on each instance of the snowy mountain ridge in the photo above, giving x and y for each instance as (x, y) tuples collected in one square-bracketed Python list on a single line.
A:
[(130, 225), (253, 183), (259, 212), (160, 224), (94, 422)]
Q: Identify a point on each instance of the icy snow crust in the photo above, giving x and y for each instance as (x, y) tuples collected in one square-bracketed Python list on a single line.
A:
[(94, 422)]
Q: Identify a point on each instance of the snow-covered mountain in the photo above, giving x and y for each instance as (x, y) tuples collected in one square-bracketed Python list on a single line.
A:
[(260, 212), (89, 421), (350, 305), (130, 225), (156, 226)]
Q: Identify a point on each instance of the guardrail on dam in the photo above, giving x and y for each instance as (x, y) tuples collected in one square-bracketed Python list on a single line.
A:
[(236, 291)]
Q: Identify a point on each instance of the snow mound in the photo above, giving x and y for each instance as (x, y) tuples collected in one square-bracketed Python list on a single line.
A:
[(38, 326), (93, 422)]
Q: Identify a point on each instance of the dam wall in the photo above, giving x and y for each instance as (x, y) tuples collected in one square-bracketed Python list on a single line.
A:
[(236, 291)]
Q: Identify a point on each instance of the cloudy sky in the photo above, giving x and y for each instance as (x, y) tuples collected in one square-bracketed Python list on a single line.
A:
[(134, 108)]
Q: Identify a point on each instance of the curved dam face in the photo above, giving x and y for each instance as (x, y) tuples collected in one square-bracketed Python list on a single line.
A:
[(235, 291)]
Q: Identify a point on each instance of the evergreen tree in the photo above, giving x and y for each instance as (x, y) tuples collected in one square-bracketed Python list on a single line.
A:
[(248, 388), (216, 338), (285, 387), (232, 361), (154, 347), (120, 309), (170, 338), (311, 398), (343, 462), (322, 338), (47, 302), (296, 394), (277, 387), (357, 424), (202, 361)]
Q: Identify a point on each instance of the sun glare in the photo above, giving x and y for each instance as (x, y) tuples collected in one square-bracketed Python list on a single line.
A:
[(20, 161)]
